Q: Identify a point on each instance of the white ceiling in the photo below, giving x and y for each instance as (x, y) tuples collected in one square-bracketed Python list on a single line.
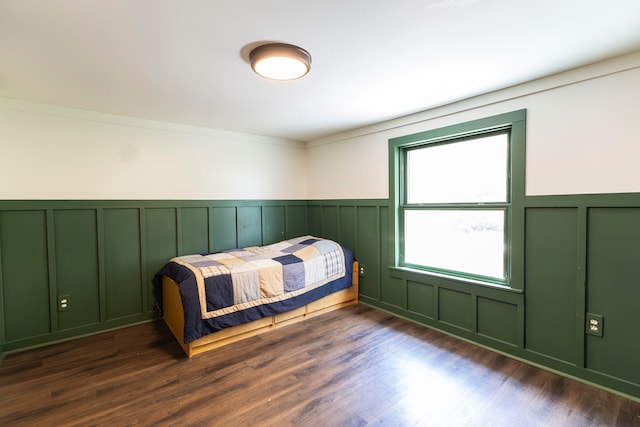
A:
[(182, 61)]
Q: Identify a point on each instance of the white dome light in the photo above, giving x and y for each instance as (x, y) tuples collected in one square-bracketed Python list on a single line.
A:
[(280, 61)]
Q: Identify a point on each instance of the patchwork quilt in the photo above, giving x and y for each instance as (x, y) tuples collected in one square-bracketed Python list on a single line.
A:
[(236, 286)]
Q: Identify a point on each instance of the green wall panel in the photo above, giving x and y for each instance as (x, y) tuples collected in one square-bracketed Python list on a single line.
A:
[(330, 226), (273, 224), (314, 220), (161, 243), (367, 251), (384, 244), (497, 319), (25, 273), (347, 228), (223, 228), (614, 291), (122, 262), (296, 221), (551, 281), (194, 223), (393, 292), (249, 226), (420, 299), (76, 266), (454, 308)]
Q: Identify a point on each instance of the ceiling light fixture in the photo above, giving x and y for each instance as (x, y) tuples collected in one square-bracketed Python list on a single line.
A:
[(280, 61)]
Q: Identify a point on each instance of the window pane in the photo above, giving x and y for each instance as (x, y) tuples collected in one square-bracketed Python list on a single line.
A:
[(467, 241), (458, 172)]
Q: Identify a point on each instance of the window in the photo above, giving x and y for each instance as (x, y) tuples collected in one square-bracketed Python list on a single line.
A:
[(458, 197)]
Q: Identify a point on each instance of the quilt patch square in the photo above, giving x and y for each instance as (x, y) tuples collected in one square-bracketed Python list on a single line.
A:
[(307, 253), (287, 259), (294, 277), (309, 241), (205, 263), (314, 271), (219, 292), (293, 248), (246, 284), (324, 246), (271, 283)]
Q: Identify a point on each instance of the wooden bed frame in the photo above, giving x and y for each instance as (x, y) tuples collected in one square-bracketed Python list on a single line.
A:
[(173, 316)]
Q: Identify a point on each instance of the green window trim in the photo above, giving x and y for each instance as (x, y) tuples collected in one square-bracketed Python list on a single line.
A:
[(515, 124)]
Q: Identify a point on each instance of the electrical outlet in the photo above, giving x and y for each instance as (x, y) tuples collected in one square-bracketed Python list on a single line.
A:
[(595, 324), (361, 270), (64, 302)]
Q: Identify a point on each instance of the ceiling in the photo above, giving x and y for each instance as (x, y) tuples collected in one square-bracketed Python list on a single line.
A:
[(183, 61)]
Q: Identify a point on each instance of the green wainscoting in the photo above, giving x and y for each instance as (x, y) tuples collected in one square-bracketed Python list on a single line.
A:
[(554, 295), (25, 274), (359, 225), (103, 254), (582, 255), (613, 272), (75, 258)]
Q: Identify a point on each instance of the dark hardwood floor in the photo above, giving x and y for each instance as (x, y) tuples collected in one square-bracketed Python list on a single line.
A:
[(352, 367)]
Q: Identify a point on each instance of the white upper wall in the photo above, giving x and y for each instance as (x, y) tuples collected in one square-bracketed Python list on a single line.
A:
[(583, 136), (51, 152)]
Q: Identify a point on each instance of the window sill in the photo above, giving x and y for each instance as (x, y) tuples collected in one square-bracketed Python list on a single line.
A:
[(407, 271)]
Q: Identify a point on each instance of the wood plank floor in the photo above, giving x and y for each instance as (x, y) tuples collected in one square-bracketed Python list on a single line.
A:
[(353, 367)]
